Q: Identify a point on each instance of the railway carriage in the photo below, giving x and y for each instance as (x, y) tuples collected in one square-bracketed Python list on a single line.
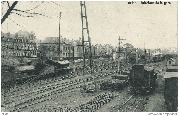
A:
[(142, 79)]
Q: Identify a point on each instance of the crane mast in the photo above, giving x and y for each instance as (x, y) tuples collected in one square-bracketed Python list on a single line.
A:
[(86, 40)]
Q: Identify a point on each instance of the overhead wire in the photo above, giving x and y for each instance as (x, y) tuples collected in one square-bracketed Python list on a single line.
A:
[(22, 15), (36, 6), (29, 14), (16, 23), (34, 13), (56, 3)]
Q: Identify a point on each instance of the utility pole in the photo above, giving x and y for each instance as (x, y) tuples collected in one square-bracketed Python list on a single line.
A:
[(119, 53), (59, 53), (126, 54), (73, 53), (144, 55), (136, 56)]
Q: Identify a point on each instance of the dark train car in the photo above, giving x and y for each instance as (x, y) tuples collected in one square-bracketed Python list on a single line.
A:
[(171, 88), (142, 79)]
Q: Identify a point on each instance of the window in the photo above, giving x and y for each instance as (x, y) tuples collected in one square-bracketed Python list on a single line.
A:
[(169, 62)]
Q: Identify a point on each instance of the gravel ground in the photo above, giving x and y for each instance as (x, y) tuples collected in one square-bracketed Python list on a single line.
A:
[(64, 99), (113, 105), (156, 100)]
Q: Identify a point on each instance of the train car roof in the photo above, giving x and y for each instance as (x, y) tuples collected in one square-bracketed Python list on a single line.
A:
[(148, 68), (172, 67), (25, 68), (170, 74)]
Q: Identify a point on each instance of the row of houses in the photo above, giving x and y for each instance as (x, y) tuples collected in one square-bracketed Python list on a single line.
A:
[(20, 44), (24, 44), (70, 48)]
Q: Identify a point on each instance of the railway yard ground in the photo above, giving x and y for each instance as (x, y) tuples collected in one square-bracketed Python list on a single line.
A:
[(57, 95)]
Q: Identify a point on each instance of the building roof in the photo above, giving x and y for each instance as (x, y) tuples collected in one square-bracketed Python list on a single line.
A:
[(23, 33), (56, 40), (19, 35), (7, 35), (63, 41), (51, 40)]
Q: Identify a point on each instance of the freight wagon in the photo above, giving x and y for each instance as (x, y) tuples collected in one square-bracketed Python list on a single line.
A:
[(171, 88)]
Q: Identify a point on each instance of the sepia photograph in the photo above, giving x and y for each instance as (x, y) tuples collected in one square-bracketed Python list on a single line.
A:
[(89, 56)]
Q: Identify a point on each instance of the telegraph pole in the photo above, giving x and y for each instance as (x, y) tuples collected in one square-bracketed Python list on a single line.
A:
[(73, 53), (126, 53), (144, 55), (119, 53), (59, 53), (136, 55)]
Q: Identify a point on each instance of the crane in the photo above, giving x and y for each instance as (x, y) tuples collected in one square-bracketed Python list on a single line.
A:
[(86, 40), (86, 45)]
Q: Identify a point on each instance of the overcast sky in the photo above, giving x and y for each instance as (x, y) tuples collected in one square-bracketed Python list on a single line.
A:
[(154, 25)]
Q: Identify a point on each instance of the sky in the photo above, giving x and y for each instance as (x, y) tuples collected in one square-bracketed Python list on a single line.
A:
[(154, 26)]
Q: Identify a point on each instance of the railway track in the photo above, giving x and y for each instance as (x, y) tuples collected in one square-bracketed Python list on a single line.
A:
[(50, 89), (90, 106), (43, 94), (44, 83), (134, 104)]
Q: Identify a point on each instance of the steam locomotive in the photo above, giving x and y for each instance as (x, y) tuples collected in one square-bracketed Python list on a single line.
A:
[(142, 79)]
